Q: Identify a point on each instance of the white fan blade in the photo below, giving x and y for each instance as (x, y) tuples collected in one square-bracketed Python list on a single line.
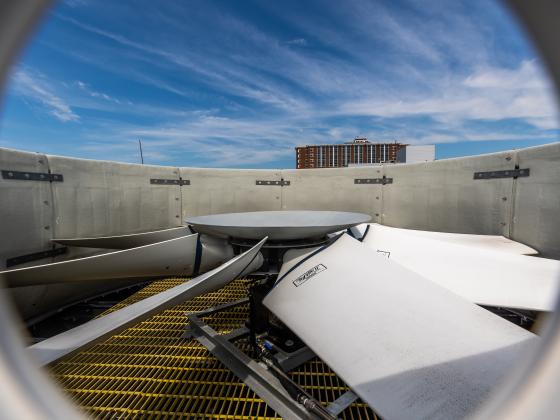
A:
[(181, 256), (480, 274), (407, 346), (127, 241), (97, 329), (489, 242)]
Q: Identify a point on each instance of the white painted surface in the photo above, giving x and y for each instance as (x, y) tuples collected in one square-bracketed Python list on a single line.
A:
[(420, 153), (485, 275), (482, 242), (407, 346)]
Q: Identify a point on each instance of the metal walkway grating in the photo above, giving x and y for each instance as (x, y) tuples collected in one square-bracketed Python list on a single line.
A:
[(149, 370)]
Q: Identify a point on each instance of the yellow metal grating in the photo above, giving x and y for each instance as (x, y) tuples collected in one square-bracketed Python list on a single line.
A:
[(149, 370)]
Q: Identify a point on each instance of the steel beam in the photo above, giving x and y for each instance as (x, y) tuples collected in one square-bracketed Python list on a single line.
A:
[(253, 374)]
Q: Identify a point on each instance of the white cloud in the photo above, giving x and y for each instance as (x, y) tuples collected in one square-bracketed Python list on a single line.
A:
[(34, 86), (94, 94), (470, 135), (492, 94), (488, 92)]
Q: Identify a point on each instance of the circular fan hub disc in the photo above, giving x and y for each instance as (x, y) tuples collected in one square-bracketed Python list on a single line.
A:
[(277, 225)]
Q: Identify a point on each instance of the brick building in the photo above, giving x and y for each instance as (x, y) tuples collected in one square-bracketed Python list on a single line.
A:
[(358, 151)]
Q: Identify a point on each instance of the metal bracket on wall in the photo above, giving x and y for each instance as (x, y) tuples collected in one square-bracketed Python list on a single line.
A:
[(382, 181), (281, 183), (161, 181), (32, 176), (511, 173), (22, 259)]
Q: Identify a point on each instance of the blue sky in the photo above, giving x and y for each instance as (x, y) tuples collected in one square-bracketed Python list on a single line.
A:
[(241, 83)]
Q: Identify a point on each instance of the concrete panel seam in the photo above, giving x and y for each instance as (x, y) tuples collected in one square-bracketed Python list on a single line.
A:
[(53, 205), (511, 220)]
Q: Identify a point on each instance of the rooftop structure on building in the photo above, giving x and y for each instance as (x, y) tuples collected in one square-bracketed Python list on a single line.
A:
[(359, 140)]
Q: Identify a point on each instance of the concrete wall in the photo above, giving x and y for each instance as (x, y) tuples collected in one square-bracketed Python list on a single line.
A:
[(213, 191), (26, 207), (106, 198), (99, 197), (333, 189), (535, 218), (443, 196)]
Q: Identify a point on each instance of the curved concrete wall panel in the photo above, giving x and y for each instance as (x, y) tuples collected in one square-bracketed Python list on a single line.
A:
[(214, 191), (333, 189), (26, 207), (444, 196), (106, 198), (536, 215), (100, 198)]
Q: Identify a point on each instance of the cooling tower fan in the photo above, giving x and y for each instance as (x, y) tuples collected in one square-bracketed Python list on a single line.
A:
[(406, 318)]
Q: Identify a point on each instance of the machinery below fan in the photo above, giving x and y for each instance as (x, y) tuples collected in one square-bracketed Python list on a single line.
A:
[(396, 313)]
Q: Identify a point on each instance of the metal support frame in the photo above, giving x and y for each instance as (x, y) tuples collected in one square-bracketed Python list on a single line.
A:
[(254, 374)]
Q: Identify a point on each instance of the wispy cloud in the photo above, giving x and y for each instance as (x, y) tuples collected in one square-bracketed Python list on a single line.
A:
[(207, 140), (64, 99), (94, 94), (488, 94), (33, 86), (232, 78)]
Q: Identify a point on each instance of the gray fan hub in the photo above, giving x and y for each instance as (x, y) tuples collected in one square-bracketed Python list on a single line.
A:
[(277, 225)]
